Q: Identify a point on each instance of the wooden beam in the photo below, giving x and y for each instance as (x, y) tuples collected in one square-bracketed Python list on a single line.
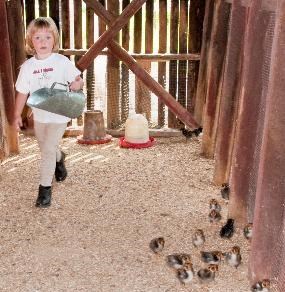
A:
[(153, 57), (155, 87), (114, 27)]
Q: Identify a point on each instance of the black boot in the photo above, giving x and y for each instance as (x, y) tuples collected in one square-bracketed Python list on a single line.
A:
[(44, 197), (60, 170)]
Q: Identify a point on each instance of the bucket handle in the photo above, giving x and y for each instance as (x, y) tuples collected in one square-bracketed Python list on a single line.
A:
[(66, 85)]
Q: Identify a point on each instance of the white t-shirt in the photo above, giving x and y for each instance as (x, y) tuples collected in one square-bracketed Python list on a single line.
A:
[(36, 74)]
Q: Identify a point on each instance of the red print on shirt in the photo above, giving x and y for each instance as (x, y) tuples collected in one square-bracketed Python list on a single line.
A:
[(37, 71)]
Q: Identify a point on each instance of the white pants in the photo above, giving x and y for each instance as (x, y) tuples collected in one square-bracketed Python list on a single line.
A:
[(48, 137)]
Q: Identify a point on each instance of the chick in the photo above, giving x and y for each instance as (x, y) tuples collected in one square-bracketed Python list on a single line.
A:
[(186, 133), (228, 229), (198, 238), (247, 231), (211, 257), (197, 131), (214, 205), (225, 191), (178, 261), (157, 244), (233, 258), (186, 274), (263, 286), (214, 216), (207, 275)]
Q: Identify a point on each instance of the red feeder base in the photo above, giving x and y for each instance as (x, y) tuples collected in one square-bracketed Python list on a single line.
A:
[(106, 139), (124, 144)]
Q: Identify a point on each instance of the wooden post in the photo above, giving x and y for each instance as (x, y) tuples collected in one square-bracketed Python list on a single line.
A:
[(137, 39), (113, 79), (162, 65), (217, 51), (90, 76), (182, 65), (65, 18), (125, 70), (202, 76), (16, 34), (43, 8), (54, 11), (30, 11), (195, 26), (7, 83), (230, 93), (174, 16), (146, 98)]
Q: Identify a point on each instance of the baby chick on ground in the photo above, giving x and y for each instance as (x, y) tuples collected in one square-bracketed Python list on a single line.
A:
[(157, 244)]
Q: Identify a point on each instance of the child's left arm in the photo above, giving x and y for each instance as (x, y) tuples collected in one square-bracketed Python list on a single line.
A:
[(77, 84)]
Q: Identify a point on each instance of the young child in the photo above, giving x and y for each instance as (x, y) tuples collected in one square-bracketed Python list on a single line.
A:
[(42, 70)]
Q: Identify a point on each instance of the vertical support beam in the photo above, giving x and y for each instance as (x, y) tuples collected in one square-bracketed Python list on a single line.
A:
[(182, 65), (90, 76), (217, 50), (6, 76), (146, 97), (125, 87), (162, 65), (195, 27), (113, 78), (16, 34), (54, 11), (43, 8), (30, 10), (174, 16), (203, 74), (137, 39), (230, 93), (65, 19)]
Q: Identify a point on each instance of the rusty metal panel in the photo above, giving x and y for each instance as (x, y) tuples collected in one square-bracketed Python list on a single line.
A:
[(230, 92), (250, 119), (267, 257), (218, 45)]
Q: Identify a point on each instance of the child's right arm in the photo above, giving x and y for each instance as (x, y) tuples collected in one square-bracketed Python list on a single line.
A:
[(21, 99)]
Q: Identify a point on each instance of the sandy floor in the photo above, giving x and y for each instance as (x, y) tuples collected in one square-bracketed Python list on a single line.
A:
[(95, 236)]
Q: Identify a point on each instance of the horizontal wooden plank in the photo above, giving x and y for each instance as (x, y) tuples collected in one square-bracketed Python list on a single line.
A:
[(73, 131), (150, 57)]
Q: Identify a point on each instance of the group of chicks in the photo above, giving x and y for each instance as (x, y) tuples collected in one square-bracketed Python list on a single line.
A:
[(182, 263)]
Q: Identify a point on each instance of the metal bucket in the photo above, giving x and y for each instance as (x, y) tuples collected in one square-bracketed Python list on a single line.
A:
[(58, 101)]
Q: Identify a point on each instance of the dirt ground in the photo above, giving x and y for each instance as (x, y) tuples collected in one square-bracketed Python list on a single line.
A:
[(95, 236)]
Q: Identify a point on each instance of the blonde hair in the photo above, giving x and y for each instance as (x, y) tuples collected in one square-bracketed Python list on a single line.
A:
[(41, 23)]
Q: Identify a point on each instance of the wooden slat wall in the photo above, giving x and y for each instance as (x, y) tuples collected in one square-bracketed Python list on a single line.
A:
[(171, 13)]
